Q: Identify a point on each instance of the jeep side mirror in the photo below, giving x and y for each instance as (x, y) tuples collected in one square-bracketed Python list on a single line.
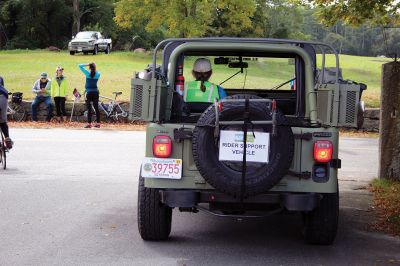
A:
[(73, 36)]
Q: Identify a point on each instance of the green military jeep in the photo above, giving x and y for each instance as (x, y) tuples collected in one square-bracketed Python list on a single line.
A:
[(197, 158)]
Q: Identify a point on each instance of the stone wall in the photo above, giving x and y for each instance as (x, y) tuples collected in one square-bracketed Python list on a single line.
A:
[(371, 115), (371, 120)]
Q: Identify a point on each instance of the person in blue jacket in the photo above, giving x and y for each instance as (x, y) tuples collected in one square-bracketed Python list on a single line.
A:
[(91, 92)]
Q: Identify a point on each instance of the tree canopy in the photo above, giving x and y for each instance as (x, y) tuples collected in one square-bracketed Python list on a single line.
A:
[(187, 18), (42, 23), (356, 12)]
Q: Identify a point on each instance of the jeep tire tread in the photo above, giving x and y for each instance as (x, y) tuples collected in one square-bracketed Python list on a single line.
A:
[(320, 225), (227, 177), (154, 218)]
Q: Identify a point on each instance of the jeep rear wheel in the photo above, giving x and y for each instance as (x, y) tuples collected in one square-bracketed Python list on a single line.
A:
[(154, 218), (320, 225), (71, 52)]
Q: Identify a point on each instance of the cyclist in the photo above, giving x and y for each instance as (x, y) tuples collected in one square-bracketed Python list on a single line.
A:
[(3, 114), (92, 92)]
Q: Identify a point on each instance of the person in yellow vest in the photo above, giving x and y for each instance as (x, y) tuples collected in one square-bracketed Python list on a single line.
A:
[(59, 88), (201, 90)]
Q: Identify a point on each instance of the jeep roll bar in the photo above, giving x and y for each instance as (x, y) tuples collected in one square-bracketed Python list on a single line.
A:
[(259, 47), (321, 46)]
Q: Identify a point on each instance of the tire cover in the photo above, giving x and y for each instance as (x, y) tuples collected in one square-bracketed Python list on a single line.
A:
[(227, 176)]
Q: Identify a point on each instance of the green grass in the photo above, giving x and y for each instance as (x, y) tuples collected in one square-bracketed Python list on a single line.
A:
[(21, 68), (365, 70)]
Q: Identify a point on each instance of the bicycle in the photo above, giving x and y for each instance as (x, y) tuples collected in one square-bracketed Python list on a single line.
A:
[(112, 109), (15, 110), (3, 152)]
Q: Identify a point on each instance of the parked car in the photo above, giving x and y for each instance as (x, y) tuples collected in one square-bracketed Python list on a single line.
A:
[(271, 146), (89, 42)]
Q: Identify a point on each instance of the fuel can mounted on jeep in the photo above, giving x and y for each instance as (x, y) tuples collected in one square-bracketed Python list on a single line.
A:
[(261, 139)]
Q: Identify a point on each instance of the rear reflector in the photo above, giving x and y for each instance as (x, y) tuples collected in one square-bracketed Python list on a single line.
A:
[(162, 146), (323, 151), (321, 173)]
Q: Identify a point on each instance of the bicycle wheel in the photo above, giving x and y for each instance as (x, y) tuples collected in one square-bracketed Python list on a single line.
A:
[(122, 112), (18, 113), (112, 118), (3, 157)]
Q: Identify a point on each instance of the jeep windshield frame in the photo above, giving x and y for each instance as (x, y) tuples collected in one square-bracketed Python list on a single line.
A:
[(309, 46), (306, 98)]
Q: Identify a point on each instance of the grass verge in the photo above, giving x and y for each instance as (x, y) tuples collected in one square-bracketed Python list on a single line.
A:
[(387, 205), (21, 68)]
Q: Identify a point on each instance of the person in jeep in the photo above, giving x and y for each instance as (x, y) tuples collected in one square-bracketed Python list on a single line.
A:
[(201, 91)]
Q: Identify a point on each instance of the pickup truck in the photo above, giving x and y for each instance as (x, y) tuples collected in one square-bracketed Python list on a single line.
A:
[(89, 42)]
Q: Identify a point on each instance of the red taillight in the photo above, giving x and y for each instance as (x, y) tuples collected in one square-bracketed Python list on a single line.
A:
[(162, 146), (323, 151)]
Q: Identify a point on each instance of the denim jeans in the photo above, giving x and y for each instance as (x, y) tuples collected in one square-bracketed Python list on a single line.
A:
[(35, 104)]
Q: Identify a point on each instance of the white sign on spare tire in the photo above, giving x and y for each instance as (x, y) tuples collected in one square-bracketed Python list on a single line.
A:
[(231, 146)]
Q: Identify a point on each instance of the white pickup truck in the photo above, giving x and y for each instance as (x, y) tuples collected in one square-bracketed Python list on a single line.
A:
[(89, 42)]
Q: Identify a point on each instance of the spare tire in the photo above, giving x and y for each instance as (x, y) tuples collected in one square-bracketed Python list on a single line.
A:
[(227, 176)]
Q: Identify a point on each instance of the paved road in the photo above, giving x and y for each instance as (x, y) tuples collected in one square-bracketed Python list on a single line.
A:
[(69, 198)]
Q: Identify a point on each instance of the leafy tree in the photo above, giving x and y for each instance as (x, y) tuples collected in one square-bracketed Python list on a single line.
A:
[(180, 18), (100, 17), (356, 12), (187, 18), (232, 18), (37, 23)]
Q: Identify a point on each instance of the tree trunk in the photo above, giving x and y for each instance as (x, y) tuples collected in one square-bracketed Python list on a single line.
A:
[(389, 125), (76, 25)]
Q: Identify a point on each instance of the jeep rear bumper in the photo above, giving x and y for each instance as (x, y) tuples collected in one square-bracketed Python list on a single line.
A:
[(289, 201)]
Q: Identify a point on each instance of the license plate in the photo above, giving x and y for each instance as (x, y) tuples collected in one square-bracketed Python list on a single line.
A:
[(231, 146), (79, 49), (162, 168)]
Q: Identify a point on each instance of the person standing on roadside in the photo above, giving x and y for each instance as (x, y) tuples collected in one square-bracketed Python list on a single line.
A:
[(58, 92), (42, 90), (91, 92), (3, 114)]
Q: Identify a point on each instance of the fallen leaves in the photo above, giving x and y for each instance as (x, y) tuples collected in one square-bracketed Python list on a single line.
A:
[(136, 126), (357, 133), (387, 205)]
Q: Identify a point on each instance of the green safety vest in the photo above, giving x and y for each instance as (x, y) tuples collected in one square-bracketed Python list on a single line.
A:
[(59, 91), (193, 93)]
